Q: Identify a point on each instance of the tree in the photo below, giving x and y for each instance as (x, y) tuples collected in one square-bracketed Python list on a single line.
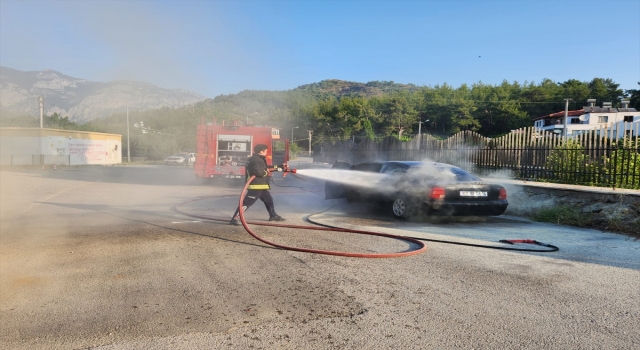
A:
[(397, 114), (357, 114), (435, 105), (605, 90), (56, 122), (321, 118), (542, 99), (576, 90), (634, 98), (501, 111), (340, 109)]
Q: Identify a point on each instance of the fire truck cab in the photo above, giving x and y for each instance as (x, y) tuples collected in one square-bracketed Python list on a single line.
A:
[(223, 150)]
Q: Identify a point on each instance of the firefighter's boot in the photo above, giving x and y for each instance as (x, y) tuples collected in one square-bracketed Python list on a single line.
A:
[(236, 216), (276, 218)]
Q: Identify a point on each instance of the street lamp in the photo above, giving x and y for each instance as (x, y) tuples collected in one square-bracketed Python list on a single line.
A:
[(292, 132), (420, 126)]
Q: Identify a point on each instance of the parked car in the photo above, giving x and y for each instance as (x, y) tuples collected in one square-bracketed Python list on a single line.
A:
[(408, 188), (180, 159)]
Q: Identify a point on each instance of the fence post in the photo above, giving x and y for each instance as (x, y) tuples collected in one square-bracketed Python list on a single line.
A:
[(615, 166)]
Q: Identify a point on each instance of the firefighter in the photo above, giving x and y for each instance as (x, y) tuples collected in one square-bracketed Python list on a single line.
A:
[(259, 187)]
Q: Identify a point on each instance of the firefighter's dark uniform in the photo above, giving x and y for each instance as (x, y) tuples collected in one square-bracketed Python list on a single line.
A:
[(258, 188)]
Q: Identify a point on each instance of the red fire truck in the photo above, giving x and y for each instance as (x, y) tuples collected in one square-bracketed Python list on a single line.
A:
[(223, 150)]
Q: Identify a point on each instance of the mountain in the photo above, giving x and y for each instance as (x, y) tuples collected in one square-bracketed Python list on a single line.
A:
[(273, 106), (341, 88), (81, 100)]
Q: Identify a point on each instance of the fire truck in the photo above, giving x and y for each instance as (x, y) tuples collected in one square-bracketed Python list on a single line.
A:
[(223, 150)]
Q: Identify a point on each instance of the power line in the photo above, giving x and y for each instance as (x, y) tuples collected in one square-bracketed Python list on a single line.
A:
[(502, 101)]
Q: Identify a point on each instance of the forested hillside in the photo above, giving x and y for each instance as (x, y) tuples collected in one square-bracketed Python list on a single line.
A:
[(341, 109)]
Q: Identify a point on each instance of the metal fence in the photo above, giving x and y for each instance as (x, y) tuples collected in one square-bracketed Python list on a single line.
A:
[(596, 157)]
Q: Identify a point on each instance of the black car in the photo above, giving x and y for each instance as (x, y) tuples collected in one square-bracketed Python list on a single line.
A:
[(408, 188)]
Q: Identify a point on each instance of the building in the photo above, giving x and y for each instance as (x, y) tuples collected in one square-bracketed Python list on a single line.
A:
[(40, 146), (616, 121)]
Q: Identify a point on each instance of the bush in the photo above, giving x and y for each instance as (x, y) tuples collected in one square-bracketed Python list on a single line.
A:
[(625, 160), (563, 215), (569, 163)]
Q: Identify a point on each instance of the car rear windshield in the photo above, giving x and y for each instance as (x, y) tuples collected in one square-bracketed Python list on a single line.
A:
[(459, 174)]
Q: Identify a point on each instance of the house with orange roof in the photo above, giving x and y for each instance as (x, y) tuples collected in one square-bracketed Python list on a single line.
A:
[(617, 121)]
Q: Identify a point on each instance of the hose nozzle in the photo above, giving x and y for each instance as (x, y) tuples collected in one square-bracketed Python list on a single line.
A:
[(284, 168)]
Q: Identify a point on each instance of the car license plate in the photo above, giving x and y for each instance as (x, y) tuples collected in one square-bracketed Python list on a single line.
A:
[(473, 194)]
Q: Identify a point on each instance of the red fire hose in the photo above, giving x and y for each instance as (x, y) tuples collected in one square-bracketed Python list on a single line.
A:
[(415, 240), (422, 246)]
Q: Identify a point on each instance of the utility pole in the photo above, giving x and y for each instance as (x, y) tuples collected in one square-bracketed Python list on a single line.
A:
[(249, 115), (566, 114), (310, 133), (128, 143), (41, 100)]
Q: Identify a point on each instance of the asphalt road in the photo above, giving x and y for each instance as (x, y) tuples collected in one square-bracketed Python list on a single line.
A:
[(99, 257)]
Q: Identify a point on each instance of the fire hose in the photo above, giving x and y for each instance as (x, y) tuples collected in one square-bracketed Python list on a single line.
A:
[(552, 248), (421, 247)]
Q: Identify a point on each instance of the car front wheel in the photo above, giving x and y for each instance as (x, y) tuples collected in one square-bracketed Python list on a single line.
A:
[(401, 208)]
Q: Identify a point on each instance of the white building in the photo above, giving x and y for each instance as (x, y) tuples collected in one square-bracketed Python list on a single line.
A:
[(617, 121), (40, 146)]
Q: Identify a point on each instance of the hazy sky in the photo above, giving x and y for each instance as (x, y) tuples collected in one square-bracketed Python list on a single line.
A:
[(224, 47)]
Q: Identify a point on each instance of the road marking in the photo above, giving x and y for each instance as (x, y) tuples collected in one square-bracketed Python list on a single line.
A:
[(184, 222)]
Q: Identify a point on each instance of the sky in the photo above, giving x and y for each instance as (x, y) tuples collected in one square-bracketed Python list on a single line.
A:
[(224, 47)]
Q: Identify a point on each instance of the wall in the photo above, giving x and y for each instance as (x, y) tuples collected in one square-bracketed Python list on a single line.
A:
[(35, 146), (602, 206)]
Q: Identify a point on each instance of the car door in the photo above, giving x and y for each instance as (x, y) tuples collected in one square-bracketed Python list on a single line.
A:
[(335, 190), (392, 182)]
